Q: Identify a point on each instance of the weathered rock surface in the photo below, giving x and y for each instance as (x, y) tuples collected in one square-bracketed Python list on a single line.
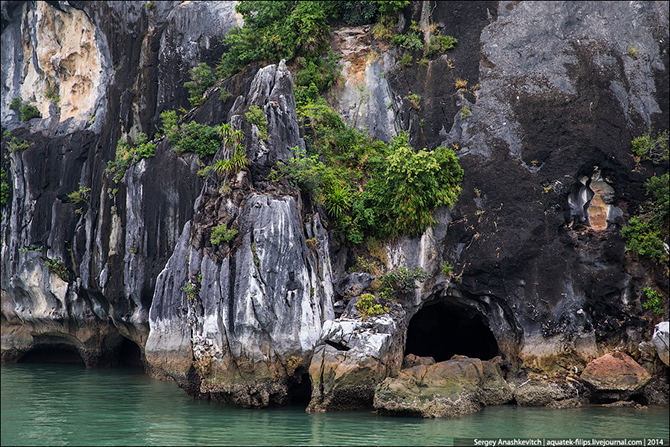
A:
[(660, 341), (615, 374), (445, 389), (538, 393), (351, 357)]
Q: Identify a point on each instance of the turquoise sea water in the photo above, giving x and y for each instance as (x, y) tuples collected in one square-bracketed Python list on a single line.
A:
[(52, 404)]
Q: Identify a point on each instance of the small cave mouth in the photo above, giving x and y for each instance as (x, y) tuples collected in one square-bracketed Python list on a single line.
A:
[(59, 353), (300, 389), (442, 330), (129, 354)]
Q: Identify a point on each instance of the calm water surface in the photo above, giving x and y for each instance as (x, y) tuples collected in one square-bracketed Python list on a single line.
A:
[(49, 404)]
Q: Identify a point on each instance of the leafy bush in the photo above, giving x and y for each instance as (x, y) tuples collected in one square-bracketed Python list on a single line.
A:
[(415, 100), (405, 60), (127, 154), (410, 41), (367, 307), (237, 157), (654, 301), (369, 189), (221, 234), (201, 80), (191, 291), (15, 105), (400, 281), (384, 29), (56, 266), (645, 233), (648, 148), (29, 112), (4, 187), (14, 145), (257, 117), (413, 185), (191, 137), (80, 195)]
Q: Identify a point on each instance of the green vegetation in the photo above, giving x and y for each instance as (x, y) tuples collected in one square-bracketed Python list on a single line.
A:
[(191, 137), (202, 79), (371, 189), (80, 195), (15, 146), (29, 112), (221, 234), (405, 60), (367, 307), (56, 266), (297, 30), (191, 291), (655, 149), (257, 117), (413, 40), (400, 281), (15, 105), (51, 93), (31, 247), (446, 269), (4, 188), (645, 233), (654, 301), (223, 94), (632, 51), (237, 158), (127, 154), (415, 100)]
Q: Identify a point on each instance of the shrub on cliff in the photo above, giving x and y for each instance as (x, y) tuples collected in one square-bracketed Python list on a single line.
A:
[(221, 234), (202, 139), (368, 188), (4, 187), (129, 153), (295, 29), (202, 79), (647, 233)]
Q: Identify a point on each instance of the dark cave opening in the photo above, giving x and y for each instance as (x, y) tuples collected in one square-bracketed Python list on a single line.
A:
[(129, 354), (300, 389), (58, 353), (442, 330)]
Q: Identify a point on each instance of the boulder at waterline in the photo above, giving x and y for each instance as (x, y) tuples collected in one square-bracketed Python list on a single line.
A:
[(446, 389), (615, 376)]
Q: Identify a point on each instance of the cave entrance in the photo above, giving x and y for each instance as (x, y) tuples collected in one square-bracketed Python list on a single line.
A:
[(61, 353), (129, 353), (442, 329)]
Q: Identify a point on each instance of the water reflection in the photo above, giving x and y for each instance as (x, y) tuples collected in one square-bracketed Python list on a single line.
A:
[(68, 404)]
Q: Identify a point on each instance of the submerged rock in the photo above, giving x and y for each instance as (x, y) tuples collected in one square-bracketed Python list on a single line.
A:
[(445, 389)]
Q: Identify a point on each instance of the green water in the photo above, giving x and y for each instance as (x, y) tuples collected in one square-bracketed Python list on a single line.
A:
[(50, 404)]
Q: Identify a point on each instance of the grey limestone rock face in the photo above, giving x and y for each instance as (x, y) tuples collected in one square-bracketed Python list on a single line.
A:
[(257, 315), (193, 31), (272, 91), (660, 341), (351, 357)]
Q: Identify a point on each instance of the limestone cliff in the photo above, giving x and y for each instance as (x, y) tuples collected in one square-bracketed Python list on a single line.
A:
[(540, 275)]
